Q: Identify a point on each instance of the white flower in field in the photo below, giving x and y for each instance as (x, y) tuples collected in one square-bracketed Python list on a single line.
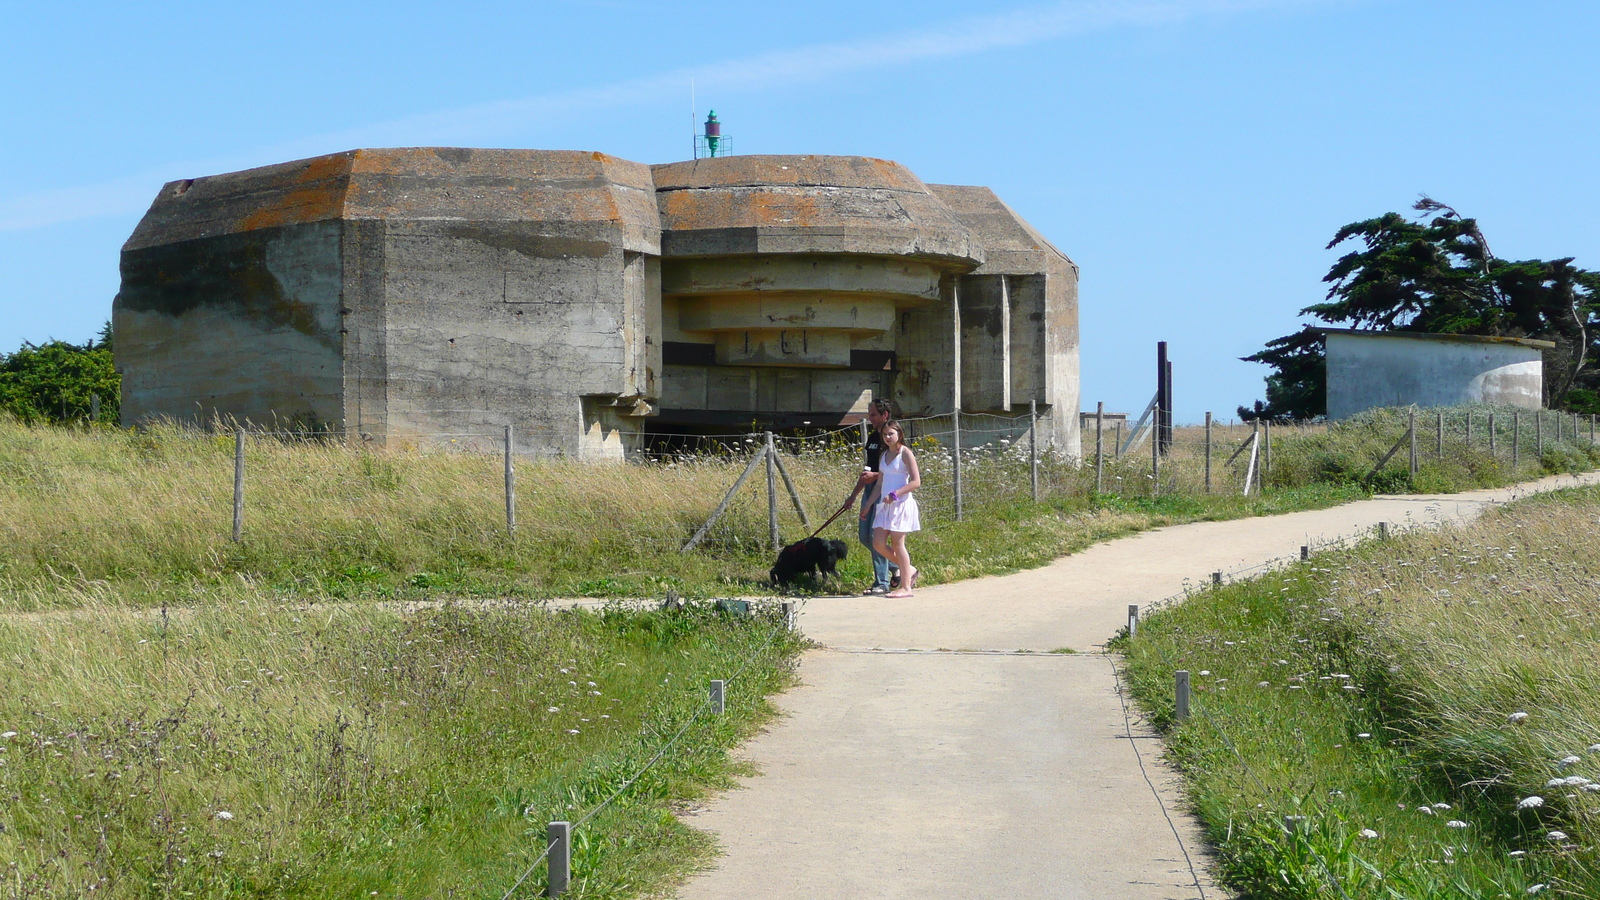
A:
[(554, 709), (8, 735), (1364, 735), (1536, 888), (1592, 788), (1368, 833), (1205, 671), (1556, 836), (1594, 748), (591, 684), (1518, 854), (1569, 761), (1531, 802), (572, 731), (1263, 684), (566, 671), (1455, 823), (572, 684), (594, 693), (224, 815), (1556, 782), (1441, 806), (1517, 718), (1426, 810)]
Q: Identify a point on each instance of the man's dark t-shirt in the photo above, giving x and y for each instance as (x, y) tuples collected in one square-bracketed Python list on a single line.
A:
[(874, 450)]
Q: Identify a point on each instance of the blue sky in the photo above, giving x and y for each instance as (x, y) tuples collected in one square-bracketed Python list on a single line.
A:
[(1192, 156)]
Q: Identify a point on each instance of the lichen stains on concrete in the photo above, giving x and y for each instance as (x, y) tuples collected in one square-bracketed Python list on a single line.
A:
[(530, 244)]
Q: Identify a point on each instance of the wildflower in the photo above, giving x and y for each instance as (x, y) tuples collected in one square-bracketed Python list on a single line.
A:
[(554, 709), (224, 815), (1556, 836), (1441, 806), (1518, 854), (1569, 761), (1536, 888), (1531, 802), (1368, 833), (1263, 684), (1594, 748), (572, 731), (1455, 823), (1425, 810), (1364, 735), (1517, 718), (8, 735), (1205, 671)]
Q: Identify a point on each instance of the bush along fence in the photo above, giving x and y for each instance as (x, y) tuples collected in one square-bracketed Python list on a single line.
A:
[(973, 462)]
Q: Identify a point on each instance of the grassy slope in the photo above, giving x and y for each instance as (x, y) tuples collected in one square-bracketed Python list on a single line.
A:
[(1372, 691), (262, 750)]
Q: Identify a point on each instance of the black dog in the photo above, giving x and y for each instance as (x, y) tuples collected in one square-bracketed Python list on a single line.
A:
[(807, 556)]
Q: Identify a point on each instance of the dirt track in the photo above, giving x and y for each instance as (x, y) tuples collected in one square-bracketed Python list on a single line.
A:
[(903, 768)]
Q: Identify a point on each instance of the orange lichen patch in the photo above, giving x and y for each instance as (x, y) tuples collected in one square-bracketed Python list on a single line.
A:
[(312, 204), (794, 210)]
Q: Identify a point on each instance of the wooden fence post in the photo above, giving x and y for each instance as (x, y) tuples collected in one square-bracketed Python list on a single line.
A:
[(1033, 447), (238, 484), (1491, 435), (511, 488), (1099, 447), (1438, 437), (772, 493), (1411, 429), (955, 417), (1208, 453), (1516, 440)]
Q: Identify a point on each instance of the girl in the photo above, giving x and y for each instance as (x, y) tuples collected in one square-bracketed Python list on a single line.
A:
[(898, 515)]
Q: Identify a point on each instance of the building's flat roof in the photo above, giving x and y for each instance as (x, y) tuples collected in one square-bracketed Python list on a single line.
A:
[(1457, 338)]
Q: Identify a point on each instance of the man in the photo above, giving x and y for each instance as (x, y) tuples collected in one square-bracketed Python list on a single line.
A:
[(877, 414)]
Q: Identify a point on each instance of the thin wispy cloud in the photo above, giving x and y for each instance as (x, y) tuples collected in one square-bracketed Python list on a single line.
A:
[(483, 122)]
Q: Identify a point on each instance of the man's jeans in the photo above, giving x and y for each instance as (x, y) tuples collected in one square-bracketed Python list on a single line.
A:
[(880, 564)]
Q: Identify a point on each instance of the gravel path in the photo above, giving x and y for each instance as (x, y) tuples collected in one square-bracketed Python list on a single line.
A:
[(924, 756)]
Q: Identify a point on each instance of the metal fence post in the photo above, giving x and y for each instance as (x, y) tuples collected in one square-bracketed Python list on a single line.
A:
[(1208, 453), (238, 484), (787, 608), (1099, 447), (1538, 437), (1216, 579), (1469, 429), (1438, 437), (1180, 686), (559, 858), (719, 694), (772, 493), (511, 488), (1033, 446), (956, 459), (1155, 456), (1491, 435), (1133, 619)]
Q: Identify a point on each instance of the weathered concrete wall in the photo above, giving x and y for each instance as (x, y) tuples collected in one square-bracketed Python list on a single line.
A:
[(1388, 369), (1040, 351), (241, 326)]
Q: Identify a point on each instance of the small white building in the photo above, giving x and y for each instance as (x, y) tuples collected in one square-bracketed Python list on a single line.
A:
[(1368, 369)]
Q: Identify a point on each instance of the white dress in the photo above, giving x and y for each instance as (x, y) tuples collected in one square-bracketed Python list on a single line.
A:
[(901, 515)]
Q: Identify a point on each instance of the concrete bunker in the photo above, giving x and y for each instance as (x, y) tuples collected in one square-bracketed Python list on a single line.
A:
[(588, 301)]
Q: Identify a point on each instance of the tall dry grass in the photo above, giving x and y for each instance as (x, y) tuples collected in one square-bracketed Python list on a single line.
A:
[(1430, 705)]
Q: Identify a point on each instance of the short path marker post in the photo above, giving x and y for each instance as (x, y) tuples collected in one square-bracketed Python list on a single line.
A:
[(1383, 531), (719, 690), (238, 484), (1412, 434), (1133, 619), (1491, 434), (1208, 453), (787, 607), (1180, 685), (1305, 552), (1438, 438), (559, 858), (1216, 579)]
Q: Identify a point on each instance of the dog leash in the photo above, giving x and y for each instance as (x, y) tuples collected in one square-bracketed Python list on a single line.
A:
[(831, 519)]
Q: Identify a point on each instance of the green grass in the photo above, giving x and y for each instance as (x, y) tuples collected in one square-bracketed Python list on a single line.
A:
[(1359, 688), (256, 749)]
